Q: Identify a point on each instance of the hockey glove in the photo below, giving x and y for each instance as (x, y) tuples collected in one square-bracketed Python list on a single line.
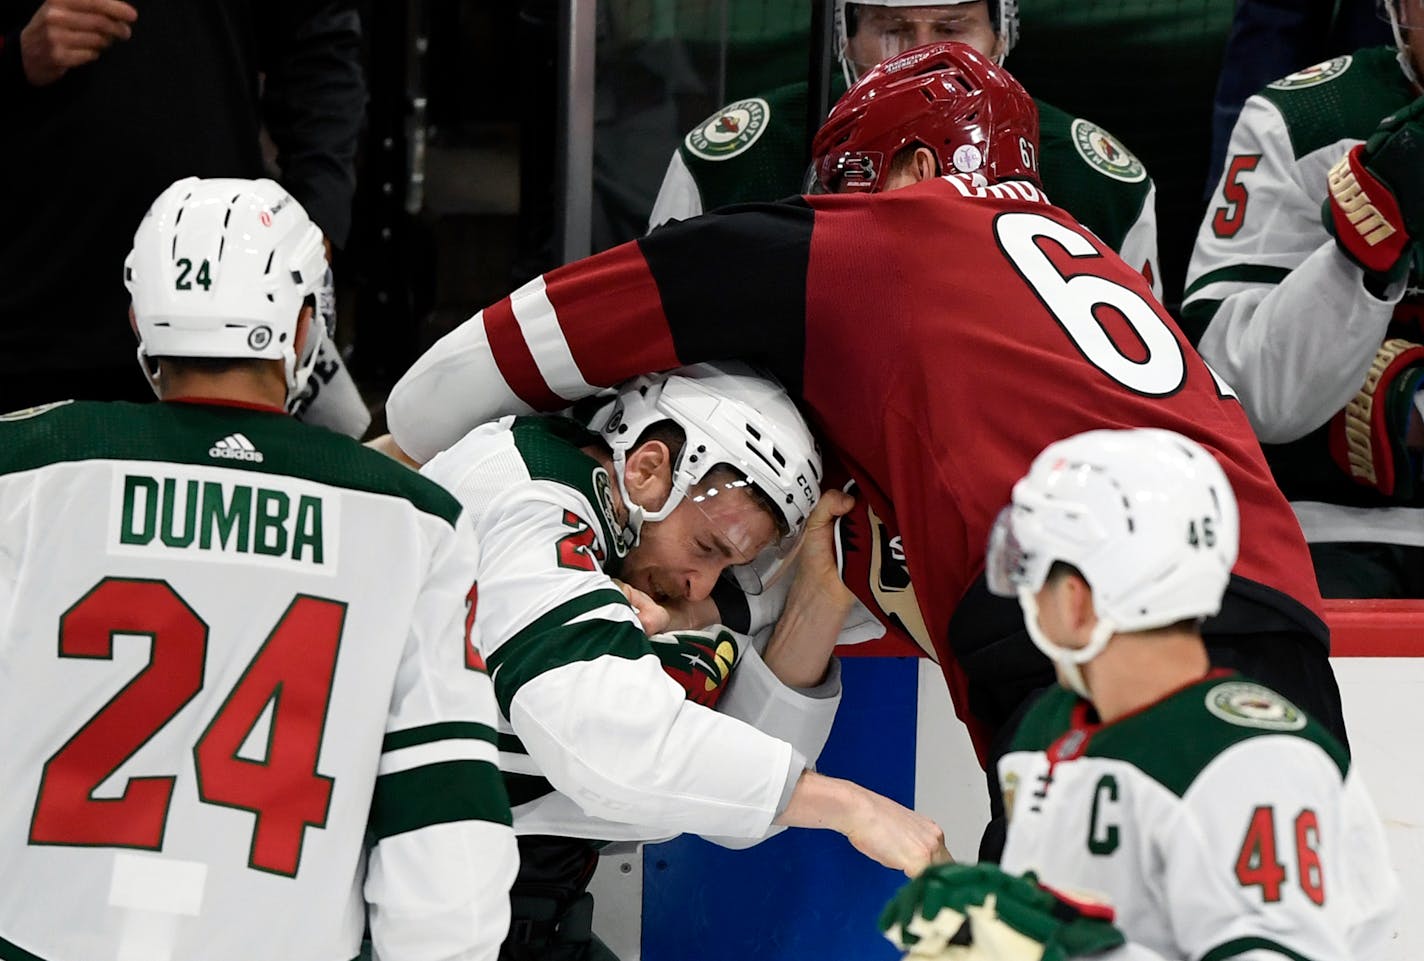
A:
[(1376, 205), (701, 661), (1367, 437), (976, 912)]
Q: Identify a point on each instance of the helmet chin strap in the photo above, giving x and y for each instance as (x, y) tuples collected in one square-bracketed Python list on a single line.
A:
[(1068, 659)]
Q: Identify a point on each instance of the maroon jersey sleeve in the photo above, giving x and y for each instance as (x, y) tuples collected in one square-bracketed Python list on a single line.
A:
[(716, 287)]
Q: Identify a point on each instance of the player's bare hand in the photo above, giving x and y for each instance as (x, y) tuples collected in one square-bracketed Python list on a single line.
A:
[(689, 615), (652, 615), (64, 34), (897, 837), (816, 571)]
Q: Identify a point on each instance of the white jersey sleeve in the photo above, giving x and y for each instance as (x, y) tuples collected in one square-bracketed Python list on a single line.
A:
[(1292, 328), (586, 700), (1139, 244), (678, 197), (444, 853)]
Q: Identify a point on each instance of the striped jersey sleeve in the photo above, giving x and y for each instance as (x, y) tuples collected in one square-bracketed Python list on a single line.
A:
[(444, 852), (594, 734), (1276, 309)]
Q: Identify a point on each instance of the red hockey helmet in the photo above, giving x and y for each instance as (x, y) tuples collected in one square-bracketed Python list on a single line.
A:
[(972, 114)]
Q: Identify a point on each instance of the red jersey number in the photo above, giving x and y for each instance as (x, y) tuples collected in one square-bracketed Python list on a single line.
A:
[(1226, 221), (1257, 864), (292, 673)]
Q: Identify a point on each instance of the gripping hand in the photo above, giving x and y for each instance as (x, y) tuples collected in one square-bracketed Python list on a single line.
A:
[(976, 912), (1376, 205)]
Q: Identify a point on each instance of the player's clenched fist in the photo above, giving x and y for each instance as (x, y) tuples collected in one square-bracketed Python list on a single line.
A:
[(64, 34)]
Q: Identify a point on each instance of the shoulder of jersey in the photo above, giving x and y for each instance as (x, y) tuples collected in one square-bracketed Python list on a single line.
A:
[(1341, 98), (1099, 149), (1204, 721), (72, 431), (735, 128), (551, 450), (1174, 740), (1105, 153)]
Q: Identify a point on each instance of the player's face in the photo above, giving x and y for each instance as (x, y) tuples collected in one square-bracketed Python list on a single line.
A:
[(883, 32), (1411, 22), (680, 557)]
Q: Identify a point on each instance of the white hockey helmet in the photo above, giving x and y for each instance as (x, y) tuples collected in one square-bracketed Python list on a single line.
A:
[(734, 415), (1147, 516), (222, 268), (1003, 15)]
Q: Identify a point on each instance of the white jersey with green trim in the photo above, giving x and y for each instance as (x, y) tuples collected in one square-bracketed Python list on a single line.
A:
[(236, 651), (1289, 323), (596, 740), (1219, 822)]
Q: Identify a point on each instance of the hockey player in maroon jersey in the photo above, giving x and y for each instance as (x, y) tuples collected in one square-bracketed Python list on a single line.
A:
[(941, 322)]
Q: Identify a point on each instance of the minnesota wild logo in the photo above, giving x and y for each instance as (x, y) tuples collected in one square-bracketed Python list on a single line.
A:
[(730, 130), (1251, 705), (1311, 76), (1106, 153)]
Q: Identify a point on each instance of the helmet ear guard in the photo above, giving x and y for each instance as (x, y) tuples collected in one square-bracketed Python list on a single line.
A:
[(222, 268), (947, 97)]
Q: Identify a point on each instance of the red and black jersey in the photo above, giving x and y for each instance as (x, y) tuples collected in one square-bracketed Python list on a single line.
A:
[(939, 337)]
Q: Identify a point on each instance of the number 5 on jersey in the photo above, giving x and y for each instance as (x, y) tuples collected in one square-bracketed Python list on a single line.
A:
[(288, 683)]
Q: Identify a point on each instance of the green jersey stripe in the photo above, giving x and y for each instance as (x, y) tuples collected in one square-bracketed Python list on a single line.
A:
[(528, 655), (524, 788), (558, 617), (182, 433), (1240, 274), (438, 794), (451, 730), (13, 952), (1241, 945), (511, 744)]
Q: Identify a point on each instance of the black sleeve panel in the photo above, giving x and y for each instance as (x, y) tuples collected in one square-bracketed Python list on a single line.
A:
[(733, 285), (314, 105)]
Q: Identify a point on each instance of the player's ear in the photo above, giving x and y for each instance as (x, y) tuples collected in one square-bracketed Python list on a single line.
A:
[(925, 166), (647, 472), (1079, 613)]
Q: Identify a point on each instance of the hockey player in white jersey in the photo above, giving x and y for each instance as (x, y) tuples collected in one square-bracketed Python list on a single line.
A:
[(1304, 293), (1213, 816), (607, 734), (233, 647)]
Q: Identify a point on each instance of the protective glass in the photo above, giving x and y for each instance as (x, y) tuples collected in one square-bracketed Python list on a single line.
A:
[(884, 32), (756, 563)]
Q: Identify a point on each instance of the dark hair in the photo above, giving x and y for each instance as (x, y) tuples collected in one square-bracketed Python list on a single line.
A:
[(210, 365), (1061, 569)]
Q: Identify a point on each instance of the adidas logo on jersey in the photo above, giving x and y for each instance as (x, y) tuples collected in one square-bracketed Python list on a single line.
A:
[(235, 447)]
